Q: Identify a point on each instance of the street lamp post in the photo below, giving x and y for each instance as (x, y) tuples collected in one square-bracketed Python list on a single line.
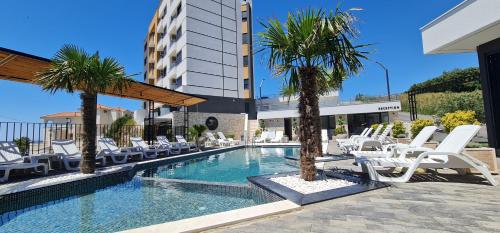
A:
[(386, 79), (260, 88)]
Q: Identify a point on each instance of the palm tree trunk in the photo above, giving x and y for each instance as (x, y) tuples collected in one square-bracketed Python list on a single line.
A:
[(89, 111), (309, 124)]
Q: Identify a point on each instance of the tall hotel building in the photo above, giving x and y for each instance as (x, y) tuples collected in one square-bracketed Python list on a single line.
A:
[(203, 47)]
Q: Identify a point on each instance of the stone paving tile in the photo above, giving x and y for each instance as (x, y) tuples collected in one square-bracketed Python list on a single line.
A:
[(426, 206)]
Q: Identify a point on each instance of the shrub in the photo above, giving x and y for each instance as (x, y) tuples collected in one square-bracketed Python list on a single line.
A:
[(466, 101), (375, 126), (444, 102), (340, 130), (23, 144), (454, 119), (418, 125), (195, 133), (398, 129), (258, 132), (119, 127)]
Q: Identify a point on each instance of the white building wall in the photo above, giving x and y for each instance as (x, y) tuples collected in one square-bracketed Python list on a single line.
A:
[(211, 45)]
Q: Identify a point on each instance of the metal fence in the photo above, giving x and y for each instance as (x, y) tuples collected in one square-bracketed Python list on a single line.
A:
[(35, 138)]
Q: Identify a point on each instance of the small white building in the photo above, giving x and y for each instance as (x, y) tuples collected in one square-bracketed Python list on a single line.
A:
[(105, 116), (281, 113)]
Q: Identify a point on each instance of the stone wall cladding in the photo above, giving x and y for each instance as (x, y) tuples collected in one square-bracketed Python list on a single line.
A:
[(229, 124)]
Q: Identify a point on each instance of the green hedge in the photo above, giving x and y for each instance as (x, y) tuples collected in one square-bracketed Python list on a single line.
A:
[(442, 103)]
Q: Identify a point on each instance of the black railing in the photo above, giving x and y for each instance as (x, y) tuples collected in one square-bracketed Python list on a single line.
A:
[(36, 138)]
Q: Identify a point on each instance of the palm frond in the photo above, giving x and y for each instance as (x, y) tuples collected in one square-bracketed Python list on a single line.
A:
[(74, 69), (313, 38)]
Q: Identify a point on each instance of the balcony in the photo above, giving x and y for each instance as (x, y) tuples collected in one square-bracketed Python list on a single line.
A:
[(162, 10), (162, 63), (161, 26), (151, 43), (162, 43)]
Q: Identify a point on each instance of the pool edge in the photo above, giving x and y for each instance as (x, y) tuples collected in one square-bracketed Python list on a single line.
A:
[(221, 219)]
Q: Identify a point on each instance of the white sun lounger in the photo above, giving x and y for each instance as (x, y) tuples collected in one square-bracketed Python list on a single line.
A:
[(217, 142), (118, 155), (365, 133), (278, 137), (449, 154), (148, 151), (185, 145), (230, 140), (354, 144), (264, 136), (378, 143), (324, 140), (393, 150), (11, 159), (70, 155), (173, 148)]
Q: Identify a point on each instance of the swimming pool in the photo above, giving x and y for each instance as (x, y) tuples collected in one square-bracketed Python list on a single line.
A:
[(151, 197), (230, 167)]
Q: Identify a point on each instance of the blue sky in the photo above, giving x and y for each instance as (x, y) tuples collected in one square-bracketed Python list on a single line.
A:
[(117, 28)]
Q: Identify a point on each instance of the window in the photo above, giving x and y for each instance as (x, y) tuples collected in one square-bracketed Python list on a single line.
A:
[(178, 81), (178, 33), (179, 8), (178, 58), (245, 83), (246, 38), (244, 15), (177, 12), (245, 61)]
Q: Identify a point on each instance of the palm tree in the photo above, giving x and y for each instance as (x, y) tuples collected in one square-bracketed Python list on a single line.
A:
[(74, 69), (195, 133), (314, 53)]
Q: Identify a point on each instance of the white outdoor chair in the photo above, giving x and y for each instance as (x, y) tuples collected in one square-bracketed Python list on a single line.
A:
[(173, 148), (324, 140), (11, 159), (185, 144), (354, 144), (214, 141), (278, 137), (393, 150), (263, 137), (148, 151), (230, 140), (117, 155), (365, 133), (378, 143), (449, 154), (70, 155)]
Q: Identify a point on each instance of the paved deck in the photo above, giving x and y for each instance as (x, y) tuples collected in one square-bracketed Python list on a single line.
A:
[(430, 203)]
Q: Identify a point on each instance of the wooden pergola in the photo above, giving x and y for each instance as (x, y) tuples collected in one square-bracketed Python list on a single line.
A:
[(21, 67)]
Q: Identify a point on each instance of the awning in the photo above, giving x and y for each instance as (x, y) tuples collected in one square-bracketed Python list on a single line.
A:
[(463, 28), (21, 67)]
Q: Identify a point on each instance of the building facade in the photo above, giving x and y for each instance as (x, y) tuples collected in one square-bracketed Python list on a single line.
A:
[(281, 114), (473, 26), (202, 47)]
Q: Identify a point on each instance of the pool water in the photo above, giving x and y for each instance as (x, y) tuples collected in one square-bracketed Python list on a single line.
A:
[(230, 167), (147, 199)]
